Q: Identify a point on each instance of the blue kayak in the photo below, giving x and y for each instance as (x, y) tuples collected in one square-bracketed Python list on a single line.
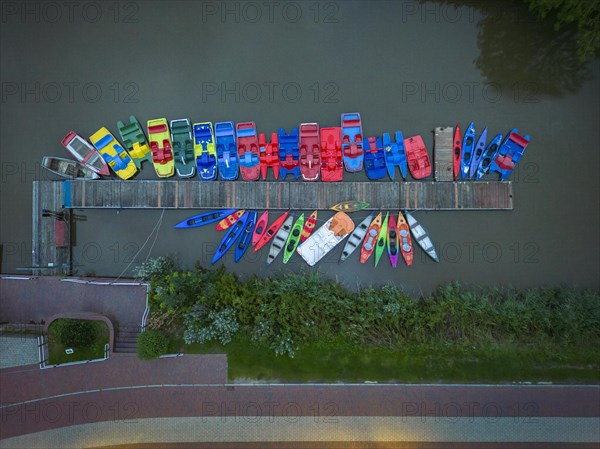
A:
[(467, 151), (478, 153), (488, 156), (395, 156), (234, 232), (204, 219), (245, 237)]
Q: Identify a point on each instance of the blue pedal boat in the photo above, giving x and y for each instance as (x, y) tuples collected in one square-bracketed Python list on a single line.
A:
[(289, 153), (352, 142), (227, 157), (509, 154), (467, 151), (395, 156), (374, 158), (206, 161)]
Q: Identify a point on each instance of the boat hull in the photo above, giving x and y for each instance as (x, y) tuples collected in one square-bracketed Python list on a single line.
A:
[(280, 239), (332, 164), (417, 157), (324, 239), (310, 152), (204, 219), (468, 146), (245, 237), (227, 156), (392, 241), (356, 237), (382, 239), (260, 227), (421, 236), (293, 239), (352, 142), (370, 240), (232, 235), (478, 153), (271, 231)]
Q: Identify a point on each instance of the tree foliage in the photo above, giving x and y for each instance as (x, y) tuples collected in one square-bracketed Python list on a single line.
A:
[(151, 344), (74, 333)]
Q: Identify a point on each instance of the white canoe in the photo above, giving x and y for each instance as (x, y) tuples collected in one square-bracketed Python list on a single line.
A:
[(280, 238), (326, 238), (421, 236), (357, 237)]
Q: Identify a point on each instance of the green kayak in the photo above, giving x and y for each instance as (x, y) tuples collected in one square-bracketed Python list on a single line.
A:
[(382, 239), (293, 239)]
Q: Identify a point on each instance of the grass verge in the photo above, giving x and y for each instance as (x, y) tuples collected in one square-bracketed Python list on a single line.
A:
[(56, 350)]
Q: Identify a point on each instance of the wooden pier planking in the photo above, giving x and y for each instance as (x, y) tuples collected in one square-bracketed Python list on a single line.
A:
[(423, 195), (443, 146)]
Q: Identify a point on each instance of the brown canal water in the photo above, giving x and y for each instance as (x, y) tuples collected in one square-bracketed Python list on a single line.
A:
[(403, 65)]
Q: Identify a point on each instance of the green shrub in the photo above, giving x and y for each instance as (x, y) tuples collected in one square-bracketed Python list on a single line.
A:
[(74, 333), (151, 344)]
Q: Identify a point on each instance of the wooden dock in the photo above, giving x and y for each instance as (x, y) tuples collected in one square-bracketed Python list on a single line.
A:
[(427, 195), (443, 147)]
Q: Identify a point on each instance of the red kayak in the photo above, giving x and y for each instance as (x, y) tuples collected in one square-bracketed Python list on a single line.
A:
[(332, 164), (269, 155), (259, 228), (309, 226), (267, 236), (457, 151), (417, 157), (405, 240), (230, 219), (310, 152)]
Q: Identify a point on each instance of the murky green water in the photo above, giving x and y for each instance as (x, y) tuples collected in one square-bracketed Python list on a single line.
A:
[(405, 66)]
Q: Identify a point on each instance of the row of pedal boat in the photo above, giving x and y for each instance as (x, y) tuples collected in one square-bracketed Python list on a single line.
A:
[(309, 152), (374, 235)]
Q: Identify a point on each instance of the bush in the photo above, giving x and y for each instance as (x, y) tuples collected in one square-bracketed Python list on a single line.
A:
[(151, 344), (74, 333)]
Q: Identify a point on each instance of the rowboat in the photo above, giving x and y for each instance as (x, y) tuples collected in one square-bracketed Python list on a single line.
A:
[(232, 235), (230, 219), (134, 140), (406, 247), (309, 226), (68, 168), (332, 166), (260, 227), (457, 150), (247, 147), (382, 239), (161, 147), (509, 154), (392, 241), (478, 153), (205, 151), (467, 150), (422, 237), (268, 155), (324, 239), (204, 219), (352, 142), (293, 239), (417, 157), (113, 153), (395, 156), (350, 206), (85, 153), (270, 232), (245, 237), (374, 158), (280, 239), (370, 240), (357, 237), (227, 156), (289, 153), (183, 148), (310, 151), (488, 156)]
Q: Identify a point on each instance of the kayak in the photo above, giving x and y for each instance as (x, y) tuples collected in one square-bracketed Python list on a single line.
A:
[(259, 229), (350, 206), (245, 237), (357, 237), (457, 151), (280, 238), (270, 233), (326, 238), (467, 150), (230, 219), (405, 240), (368, 245), (488, 156), (478, 153), (392, 241), (231, 236), (422, 237), (381, 239), (204, 219), (293, 239), (309, 226)]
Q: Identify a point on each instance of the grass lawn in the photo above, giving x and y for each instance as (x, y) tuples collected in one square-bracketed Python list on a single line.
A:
[(342, 361), (56, 349)]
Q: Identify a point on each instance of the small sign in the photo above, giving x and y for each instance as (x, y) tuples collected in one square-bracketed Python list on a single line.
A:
[(69, 351)]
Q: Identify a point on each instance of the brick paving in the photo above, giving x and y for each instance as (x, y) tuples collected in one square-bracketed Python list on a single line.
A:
[(18, 350)]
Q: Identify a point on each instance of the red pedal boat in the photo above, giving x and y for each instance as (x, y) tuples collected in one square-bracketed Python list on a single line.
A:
[(267, 236), (332, 164), (309, 226), (417, 157), (260, 227), (247, 145), (269, 155), (310, 153), (457, 151)]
